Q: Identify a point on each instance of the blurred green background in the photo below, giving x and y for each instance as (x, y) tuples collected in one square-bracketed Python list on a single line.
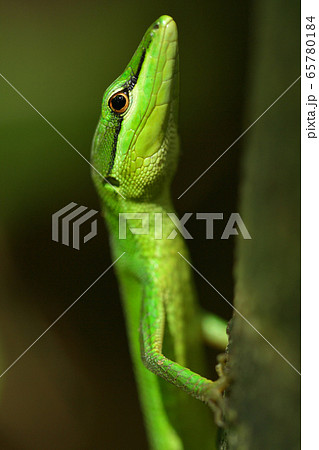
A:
[(74, 389)]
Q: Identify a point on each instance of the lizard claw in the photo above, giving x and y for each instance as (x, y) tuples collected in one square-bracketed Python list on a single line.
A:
[(214, 399), (214, 392)]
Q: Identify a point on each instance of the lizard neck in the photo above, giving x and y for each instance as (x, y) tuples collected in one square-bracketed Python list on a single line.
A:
[(149, 239)]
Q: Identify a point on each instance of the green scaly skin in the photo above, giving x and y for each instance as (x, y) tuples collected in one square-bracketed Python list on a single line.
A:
[(136, 151)]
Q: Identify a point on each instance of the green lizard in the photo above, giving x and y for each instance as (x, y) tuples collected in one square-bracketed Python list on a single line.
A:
[(135, 148)]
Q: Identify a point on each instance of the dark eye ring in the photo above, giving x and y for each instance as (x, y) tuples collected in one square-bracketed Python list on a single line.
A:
[(119, 102)]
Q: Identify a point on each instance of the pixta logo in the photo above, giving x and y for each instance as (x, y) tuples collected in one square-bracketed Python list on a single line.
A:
[(67, 230)]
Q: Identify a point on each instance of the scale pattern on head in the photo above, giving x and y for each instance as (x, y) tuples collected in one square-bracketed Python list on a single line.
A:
[(135, 146)]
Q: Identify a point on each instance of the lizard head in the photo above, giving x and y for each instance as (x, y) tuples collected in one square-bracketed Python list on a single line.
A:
[(135, 147)]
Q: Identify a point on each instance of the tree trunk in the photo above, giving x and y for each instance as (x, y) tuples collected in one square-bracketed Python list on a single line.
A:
[(263, 402)]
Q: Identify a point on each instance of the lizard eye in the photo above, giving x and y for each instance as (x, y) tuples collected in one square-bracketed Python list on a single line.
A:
[(119, 102)]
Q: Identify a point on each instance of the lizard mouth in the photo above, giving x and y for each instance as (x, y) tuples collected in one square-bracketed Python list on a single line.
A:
[(111, 180)]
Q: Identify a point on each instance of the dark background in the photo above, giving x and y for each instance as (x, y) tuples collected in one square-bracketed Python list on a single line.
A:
[(74, 389)]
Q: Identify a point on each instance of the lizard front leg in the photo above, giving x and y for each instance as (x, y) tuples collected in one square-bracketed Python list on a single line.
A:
[(151, 338)]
